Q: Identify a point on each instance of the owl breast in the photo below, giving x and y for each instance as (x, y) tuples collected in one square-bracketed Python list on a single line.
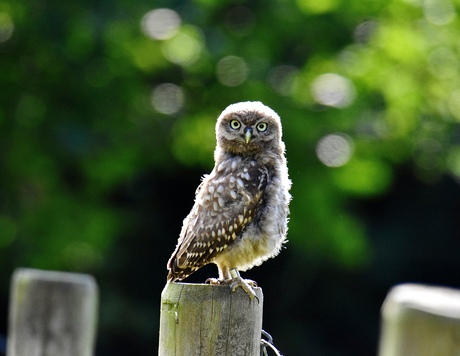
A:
[(263, 236)]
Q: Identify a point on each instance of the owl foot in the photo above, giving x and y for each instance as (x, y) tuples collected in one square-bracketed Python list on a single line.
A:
[(236, 281), (245, 284), (213, 281)]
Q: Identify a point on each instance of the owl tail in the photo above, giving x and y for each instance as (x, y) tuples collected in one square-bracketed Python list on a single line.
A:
[(176, 272), (171, 278)]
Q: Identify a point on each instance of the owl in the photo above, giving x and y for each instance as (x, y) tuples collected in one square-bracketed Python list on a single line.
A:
[(241, 208)]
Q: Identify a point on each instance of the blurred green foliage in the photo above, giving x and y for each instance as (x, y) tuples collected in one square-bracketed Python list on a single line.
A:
[(97, 96)]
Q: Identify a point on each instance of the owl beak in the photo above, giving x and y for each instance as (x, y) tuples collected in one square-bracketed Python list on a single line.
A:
[(247, 134)]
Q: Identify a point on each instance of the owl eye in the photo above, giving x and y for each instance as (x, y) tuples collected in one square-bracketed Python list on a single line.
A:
[(235, 124), (262, 126)]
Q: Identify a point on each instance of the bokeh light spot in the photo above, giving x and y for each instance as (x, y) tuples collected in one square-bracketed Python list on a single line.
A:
[(161, 24), (334, 150), (185, 48), (6, 27), (232, 71), (168, 98), (333, 90), (439, 12)]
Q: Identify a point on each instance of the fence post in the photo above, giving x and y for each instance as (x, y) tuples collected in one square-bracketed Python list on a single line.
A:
[(208, 320), (52, 314), (420, 320)]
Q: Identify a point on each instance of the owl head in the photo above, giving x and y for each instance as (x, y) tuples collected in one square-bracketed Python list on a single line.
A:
[(248, 128)]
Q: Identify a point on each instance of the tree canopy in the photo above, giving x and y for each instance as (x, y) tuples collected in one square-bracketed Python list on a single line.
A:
[(107, 114)]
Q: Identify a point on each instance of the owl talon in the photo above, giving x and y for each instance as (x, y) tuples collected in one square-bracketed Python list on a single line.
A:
[(236, 281), (245, 284), (213, 281), (252, 283)]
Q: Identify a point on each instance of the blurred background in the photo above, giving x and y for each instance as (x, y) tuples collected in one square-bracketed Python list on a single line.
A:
[(107, 113)]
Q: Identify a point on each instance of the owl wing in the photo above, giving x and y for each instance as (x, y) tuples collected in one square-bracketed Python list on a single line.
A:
[(226, 201)]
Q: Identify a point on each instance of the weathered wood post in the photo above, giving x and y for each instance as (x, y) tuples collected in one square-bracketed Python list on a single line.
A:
[(420, 320), (52, 314), (209, 320)]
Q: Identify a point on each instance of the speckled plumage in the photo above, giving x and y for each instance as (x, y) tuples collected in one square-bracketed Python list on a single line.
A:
[(241, 208)]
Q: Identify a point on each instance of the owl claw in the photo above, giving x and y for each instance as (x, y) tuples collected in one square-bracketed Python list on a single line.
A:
[(213, 281), (245, 284)]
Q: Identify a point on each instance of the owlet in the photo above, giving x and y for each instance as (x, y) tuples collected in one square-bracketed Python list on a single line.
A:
[(241, 208)]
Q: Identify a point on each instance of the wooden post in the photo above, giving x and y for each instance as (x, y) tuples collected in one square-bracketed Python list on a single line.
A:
[(209, 320), (52, 314), (420, 320)]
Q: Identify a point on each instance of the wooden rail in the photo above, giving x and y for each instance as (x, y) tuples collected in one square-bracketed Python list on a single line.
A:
[(55, 314)]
